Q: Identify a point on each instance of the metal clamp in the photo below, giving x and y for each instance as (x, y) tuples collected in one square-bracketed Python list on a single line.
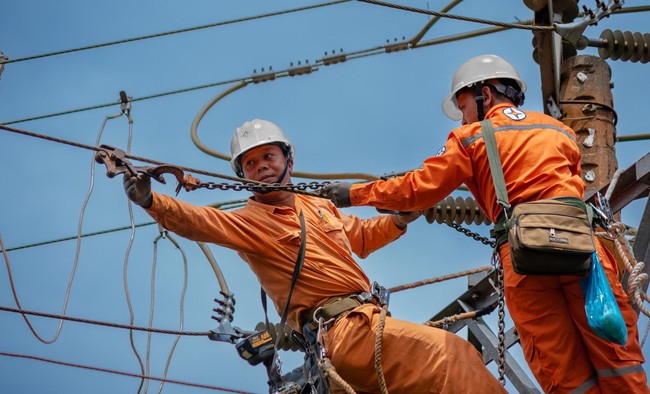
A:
[(117, 163), (381, 293)]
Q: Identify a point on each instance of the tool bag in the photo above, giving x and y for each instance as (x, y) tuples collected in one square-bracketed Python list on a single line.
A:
[(546, 237)]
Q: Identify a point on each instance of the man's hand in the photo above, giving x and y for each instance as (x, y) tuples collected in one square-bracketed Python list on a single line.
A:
[(338, 192), (138, 189), (403, 218)]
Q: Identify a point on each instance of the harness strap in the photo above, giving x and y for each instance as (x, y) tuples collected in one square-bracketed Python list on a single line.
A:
[(331, 310), (271, 367)]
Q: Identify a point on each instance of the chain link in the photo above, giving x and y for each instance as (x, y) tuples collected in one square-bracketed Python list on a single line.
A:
[(501, 362), (262, 187), (469, 233)]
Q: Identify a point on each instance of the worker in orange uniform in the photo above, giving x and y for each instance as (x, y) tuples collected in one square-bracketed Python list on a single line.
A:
[(266, 234), (541, 160)]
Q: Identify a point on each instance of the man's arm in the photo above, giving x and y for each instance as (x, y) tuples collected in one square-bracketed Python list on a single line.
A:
[(203, 224), (414, 191)]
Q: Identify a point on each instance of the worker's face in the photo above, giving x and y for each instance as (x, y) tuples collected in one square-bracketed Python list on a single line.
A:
[(265, 163), (467, 105)]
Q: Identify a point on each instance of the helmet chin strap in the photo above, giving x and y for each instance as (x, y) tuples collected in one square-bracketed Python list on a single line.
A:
[(479, 101), (284, 173), (281, 177)]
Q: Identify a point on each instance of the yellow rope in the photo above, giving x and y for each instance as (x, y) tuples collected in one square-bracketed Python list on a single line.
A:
[(380, 334), (329, 372)]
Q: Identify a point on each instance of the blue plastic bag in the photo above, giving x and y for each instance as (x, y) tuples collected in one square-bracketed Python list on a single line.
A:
[(603, 313)]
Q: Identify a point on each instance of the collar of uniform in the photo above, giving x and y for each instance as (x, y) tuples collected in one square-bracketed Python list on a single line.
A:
[(498, 107), (274, 208)]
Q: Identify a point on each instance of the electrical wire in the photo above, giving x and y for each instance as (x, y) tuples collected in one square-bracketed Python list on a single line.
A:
[(103, 323), (165, 235), (68, 364), (169, 33), (459, 17), (349, 56), (126, 265), (76, 258), (222, 205), (353, 55)]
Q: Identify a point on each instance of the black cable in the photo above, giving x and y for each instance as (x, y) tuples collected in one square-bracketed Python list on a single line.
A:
[(233, 21)]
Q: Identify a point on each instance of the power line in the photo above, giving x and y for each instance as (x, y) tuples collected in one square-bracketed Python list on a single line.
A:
[(460, 17), (223, 205), (102, 323), (284, 73), (169, 33), (75, 236), (133, 375), (138, 158), (359, 54)]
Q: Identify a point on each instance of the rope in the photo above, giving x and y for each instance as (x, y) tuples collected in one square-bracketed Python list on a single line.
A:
[(460, 316), (645, 334), (438, 279), (612, 184), (102, 323), (636, 280), (169, 33), (133, 375), (330, 372), (380, 334), (460, 17)]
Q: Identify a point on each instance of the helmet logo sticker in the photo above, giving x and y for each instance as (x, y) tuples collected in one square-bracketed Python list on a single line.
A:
[(514, 114), (442, 151)]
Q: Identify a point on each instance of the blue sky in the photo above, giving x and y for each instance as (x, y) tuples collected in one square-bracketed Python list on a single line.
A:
[(377, 114)]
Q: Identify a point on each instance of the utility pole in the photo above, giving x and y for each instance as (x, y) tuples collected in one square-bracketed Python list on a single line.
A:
[(587, 107)]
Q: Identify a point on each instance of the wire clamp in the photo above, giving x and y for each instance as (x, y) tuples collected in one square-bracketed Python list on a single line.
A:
[(116, 163)]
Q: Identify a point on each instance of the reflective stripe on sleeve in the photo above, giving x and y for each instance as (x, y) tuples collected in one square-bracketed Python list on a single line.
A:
[(589, 383), (607, 373)]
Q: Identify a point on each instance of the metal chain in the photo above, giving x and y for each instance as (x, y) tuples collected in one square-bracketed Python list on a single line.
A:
[(496, 262), (469, 233), (252, 187)]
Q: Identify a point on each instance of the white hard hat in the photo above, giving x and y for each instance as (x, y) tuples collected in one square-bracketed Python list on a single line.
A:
[(255, 133), (478, 69)]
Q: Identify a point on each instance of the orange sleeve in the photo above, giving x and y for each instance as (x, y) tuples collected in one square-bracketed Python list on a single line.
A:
[(203, 224), (368, 235), (422, 188)]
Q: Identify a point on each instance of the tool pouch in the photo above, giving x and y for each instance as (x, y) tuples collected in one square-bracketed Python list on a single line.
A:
[(550, 237)]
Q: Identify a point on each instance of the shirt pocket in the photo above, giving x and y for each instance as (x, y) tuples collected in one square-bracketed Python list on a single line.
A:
[(329, 226), (335, 234), (289, 238)]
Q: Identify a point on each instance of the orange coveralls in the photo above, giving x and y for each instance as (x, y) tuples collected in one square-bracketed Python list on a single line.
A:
[(416, 358), (540, 159)]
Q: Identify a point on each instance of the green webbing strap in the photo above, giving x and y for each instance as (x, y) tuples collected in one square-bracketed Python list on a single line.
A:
[(495, 164)]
